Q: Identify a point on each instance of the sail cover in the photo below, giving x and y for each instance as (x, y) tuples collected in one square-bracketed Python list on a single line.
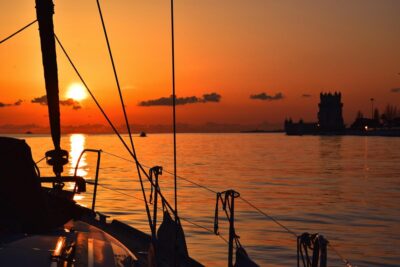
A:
[(44, 13)]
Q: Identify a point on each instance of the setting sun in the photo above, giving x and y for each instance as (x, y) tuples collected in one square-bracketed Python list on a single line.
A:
[(76, 91)]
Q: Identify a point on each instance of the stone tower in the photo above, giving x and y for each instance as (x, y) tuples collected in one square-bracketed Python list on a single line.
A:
[(330, 116)]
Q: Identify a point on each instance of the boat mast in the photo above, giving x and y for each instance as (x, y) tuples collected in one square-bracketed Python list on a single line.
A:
[(44, 12)]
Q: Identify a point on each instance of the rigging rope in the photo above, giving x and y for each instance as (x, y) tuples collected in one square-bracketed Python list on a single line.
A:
[(124, 110), (20, 30), (116, 76), (174, 113), (174, 103), (122, 140), (114, 129), (94, 98), (40, 160), (110, 123)]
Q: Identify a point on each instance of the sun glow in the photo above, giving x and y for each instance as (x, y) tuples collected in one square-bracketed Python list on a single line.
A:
[(76, 91)]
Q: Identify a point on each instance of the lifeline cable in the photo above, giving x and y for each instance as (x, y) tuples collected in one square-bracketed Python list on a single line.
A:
[(181, 218), (166, 171), (116, 190), (344, 260)]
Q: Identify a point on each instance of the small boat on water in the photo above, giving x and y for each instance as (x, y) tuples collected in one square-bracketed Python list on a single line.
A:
[(142, 134)]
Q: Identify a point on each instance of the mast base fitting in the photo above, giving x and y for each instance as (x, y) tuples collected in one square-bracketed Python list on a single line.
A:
[(57, 158)]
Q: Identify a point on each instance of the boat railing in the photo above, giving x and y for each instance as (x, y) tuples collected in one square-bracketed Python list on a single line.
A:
[(96, 179), (80, 183), (154, 173)]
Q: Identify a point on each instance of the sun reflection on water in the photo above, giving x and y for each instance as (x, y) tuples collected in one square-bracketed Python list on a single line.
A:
[(77, 146)]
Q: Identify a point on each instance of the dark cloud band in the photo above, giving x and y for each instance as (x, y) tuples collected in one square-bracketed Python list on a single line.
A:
[(167, 101), (68, 102), (40, 100), (17, 103), (306, 95), (266, 97)]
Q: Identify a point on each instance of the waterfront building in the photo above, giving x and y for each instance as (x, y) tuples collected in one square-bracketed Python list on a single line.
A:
[(330, 117)]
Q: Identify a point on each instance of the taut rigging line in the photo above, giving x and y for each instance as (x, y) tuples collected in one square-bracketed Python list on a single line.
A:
[(20, 30), (124, 111)]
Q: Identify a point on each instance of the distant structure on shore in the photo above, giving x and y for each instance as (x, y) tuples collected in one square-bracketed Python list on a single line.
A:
[(330, 118)]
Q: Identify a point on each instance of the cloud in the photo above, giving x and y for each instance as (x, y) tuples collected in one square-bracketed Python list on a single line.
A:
[(68, 102), (18, 103), (264, 96), (71, 102), (167, 101), (40, 100), (306, 95), (213, 97), (395, 90)]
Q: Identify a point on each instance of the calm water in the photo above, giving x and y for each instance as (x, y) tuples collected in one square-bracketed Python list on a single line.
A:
[(347, 188)]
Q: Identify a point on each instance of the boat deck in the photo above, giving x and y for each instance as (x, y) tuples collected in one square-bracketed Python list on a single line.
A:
[(78, 242)]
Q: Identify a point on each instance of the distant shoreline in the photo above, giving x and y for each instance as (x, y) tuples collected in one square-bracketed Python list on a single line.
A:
[(149, 133), (263, 131), (371, 133), (350, 132)]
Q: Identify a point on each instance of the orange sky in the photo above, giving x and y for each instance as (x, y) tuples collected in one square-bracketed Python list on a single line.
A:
[(233, 48)]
